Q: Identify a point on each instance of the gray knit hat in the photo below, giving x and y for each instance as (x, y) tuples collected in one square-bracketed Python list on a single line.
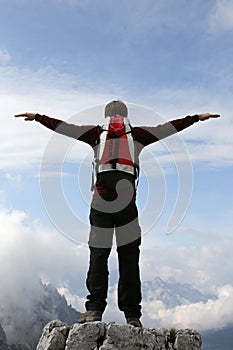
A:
[(116, 107)]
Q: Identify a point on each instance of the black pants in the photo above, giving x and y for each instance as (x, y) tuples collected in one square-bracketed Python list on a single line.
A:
[(128, 237)]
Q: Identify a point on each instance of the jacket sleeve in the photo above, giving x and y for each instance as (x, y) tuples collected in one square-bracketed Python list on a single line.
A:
[(146, 135), (85, 133)]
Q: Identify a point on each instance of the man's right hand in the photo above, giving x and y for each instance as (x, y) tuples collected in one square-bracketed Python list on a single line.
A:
[(28, 116)]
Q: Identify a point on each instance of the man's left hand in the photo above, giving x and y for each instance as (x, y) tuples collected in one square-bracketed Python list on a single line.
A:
[(206, 116)]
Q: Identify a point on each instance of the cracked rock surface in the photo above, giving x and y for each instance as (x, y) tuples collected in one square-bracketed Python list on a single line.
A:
[(111, 336)]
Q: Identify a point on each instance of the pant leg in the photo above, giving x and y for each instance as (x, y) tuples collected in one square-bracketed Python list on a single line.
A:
[(129, 286), (100, 243), (128, 236), (102, 226), (97, 279), (127, 225)]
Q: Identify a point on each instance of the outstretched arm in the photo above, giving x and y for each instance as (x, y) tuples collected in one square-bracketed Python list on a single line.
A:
[(146, 135), (50, 123), (85, 133)]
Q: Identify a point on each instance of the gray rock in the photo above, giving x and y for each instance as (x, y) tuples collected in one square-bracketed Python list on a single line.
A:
[(119, 337), (100, 336), (86, 336), (187, 339), (54, 336)]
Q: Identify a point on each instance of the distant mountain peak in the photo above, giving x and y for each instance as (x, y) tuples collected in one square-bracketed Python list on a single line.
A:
[(171, 292), (26, 328)]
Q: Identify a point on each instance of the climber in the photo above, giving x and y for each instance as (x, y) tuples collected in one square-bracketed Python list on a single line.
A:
[(117, 146)]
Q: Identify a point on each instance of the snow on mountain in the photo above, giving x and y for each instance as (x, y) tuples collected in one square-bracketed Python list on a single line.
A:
[(172, 293)]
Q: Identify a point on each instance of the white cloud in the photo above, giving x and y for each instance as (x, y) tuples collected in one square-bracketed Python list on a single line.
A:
[(35, 249), (44, 91), (208, 142), (50, 92), (23, 143), (5, 57), (221, 17), (213, 314), (29, 251), (204, 264), (111, 312)]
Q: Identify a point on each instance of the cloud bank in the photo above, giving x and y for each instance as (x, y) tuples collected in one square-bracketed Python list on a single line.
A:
[(30, 252), (43, 91), (214, 314)]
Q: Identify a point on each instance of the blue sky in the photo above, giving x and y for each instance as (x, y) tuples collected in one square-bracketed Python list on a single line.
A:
[(166, 59)]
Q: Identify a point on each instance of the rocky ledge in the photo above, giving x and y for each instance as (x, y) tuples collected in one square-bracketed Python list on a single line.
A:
[(111, 336)]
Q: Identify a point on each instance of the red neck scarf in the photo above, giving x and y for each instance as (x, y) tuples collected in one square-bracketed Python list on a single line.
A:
[(116, 123)]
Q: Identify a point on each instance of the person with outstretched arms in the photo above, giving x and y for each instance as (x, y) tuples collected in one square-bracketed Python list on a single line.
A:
[(117, 146)]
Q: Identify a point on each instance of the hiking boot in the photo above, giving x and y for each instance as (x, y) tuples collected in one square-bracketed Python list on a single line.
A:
[(134, 321), (90, 316)]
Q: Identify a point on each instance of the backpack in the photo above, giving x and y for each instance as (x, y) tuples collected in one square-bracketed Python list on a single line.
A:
[(115, 150)]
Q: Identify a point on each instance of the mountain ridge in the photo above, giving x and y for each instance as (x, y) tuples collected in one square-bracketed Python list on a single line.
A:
[(172, 293), (52, 305)]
